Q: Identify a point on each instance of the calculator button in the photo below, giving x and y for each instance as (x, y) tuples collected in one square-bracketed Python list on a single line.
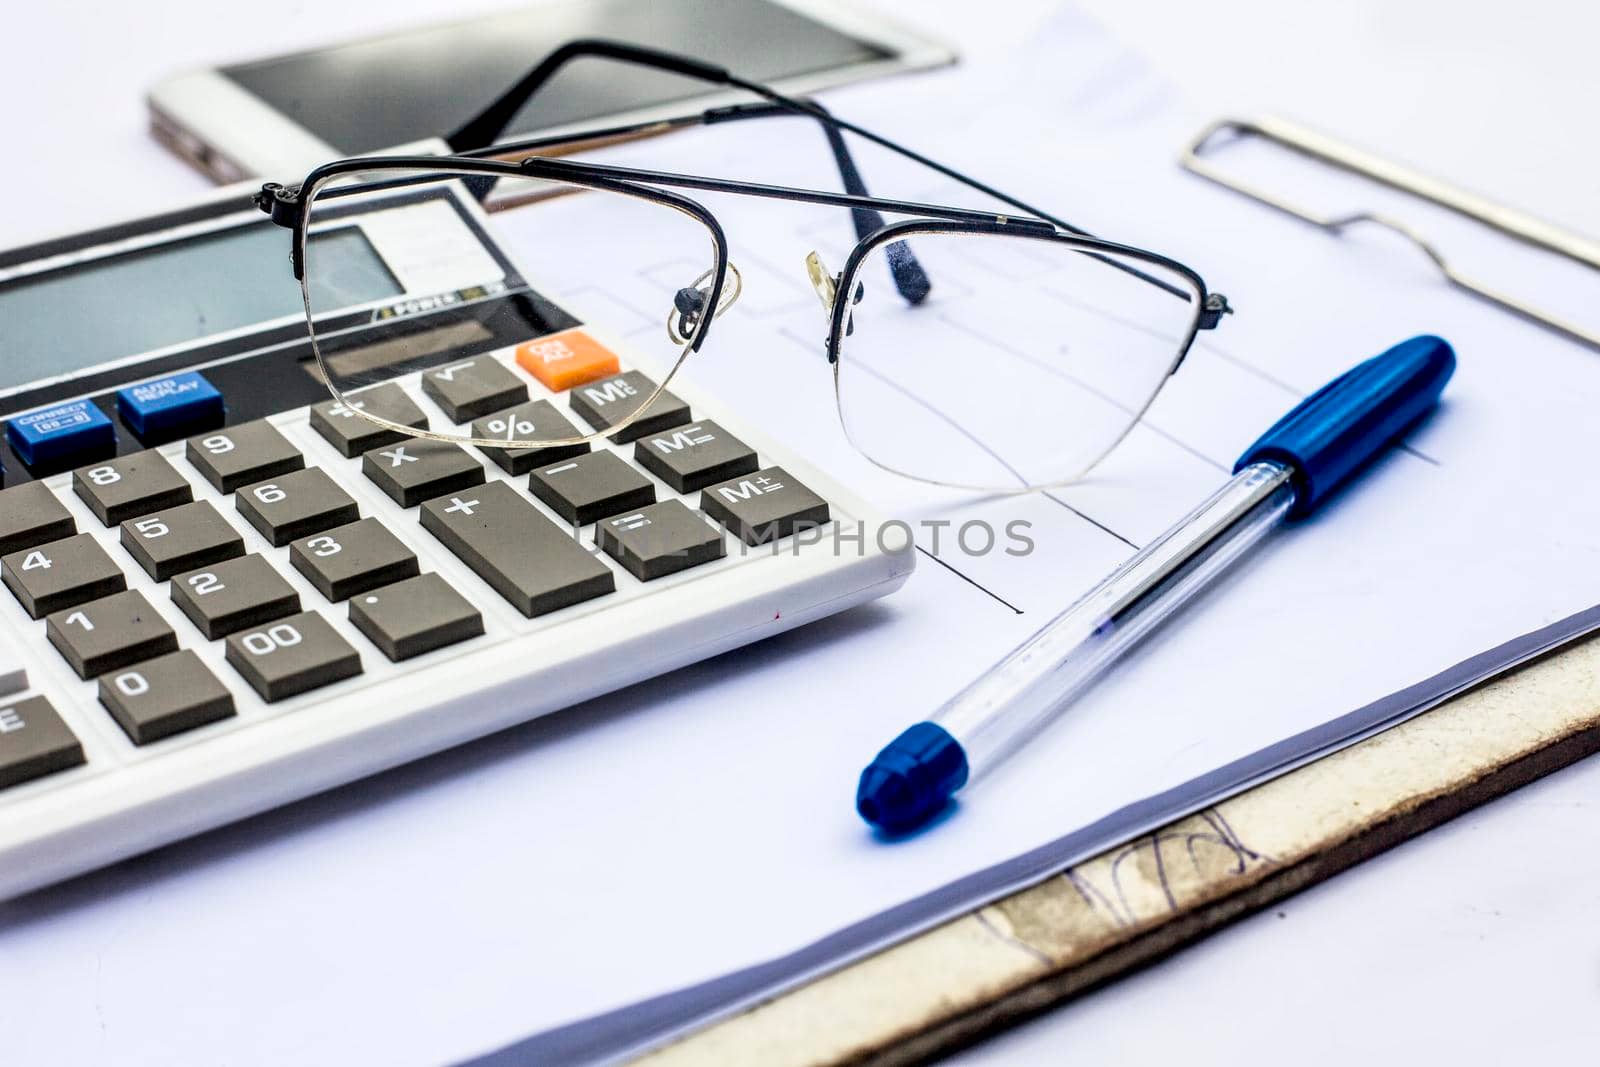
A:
[(537, 419), (108, 633), (30, 515), (181, 539), (130, 486), (607, 403), (34, 742), (591, 486), (567, 359), (346, 430), (294, 505), (293, 655), (416, 469), (351, 559), (62, 435), (164, 696), (239, 455), (696, 456), (61, 574), (526, 558), (415, 616), (659, 540), (474, 387), (763, 506), (173, 405), (232, 595)]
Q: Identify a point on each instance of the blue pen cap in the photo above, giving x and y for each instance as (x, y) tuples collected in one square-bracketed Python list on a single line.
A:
[(912, 779), (1341, 426)]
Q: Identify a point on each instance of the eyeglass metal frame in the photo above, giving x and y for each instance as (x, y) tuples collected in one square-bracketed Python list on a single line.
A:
[(476, 153)]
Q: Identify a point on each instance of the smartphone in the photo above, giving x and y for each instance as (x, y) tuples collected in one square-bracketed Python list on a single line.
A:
[(284, 115)]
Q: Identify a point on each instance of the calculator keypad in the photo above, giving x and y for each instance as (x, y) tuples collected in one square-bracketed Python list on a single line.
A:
[(412, 471), (232, 595), (284, 658), (352, 559), (239, 455), (163, 696), (152, 682), (526, 558), (294, 505), (34, 742), (108, 633), (130, 486), (181, 539), (61, 574), (415, 616), (30, 515)]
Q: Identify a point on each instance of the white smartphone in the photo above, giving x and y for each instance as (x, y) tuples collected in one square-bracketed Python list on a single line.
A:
[(284, 115)]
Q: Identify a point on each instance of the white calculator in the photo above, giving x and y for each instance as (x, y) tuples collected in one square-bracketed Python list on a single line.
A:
[(223, 592)]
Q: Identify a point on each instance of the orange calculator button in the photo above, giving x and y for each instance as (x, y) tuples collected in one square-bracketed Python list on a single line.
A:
[(564, 360)]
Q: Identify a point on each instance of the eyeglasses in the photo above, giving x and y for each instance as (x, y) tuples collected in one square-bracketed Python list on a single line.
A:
[(959, 340)]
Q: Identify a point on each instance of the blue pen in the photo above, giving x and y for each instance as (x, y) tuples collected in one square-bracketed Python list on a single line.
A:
[(1286, 474)]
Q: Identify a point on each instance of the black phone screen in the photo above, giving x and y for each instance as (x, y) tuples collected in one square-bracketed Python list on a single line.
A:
[(423, 83)]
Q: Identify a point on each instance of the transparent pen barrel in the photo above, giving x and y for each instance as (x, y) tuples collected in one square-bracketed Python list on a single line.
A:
[(1019, 695)]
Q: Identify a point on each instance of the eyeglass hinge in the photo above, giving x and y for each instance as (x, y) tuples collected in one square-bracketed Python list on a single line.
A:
[(1216, 306), (282, 202)]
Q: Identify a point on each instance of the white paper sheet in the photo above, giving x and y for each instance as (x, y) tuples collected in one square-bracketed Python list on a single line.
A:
[(703, 821)]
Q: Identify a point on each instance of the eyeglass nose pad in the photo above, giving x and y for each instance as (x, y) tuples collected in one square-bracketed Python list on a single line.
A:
[(826, 284), (689, 304)]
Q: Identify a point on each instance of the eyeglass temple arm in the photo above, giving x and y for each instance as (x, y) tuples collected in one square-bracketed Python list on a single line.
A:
[(487, 127)]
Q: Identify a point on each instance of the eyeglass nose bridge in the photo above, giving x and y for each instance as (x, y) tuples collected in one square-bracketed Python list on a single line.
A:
[(826, 284), (689, 303)]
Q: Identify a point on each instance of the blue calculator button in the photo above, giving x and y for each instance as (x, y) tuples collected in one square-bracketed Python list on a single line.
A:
[(57, 435), (169, 404)]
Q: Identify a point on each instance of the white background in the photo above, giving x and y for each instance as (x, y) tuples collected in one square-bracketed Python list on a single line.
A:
[(1478, 939)]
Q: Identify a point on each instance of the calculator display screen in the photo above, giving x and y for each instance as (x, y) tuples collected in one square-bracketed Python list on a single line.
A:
[(79, 316)]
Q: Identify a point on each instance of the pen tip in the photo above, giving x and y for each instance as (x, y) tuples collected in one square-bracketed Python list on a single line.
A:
[(912, 779)]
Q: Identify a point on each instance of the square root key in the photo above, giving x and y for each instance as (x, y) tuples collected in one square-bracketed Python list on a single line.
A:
[(764, 506), (473, 387)]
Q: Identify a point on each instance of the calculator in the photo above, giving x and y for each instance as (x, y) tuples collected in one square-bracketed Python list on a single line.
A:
[(224, 591)]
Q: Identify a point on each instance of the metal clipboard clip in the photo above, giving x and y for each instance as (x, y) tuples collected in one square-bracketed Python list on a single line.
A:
[(1323, 149)]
